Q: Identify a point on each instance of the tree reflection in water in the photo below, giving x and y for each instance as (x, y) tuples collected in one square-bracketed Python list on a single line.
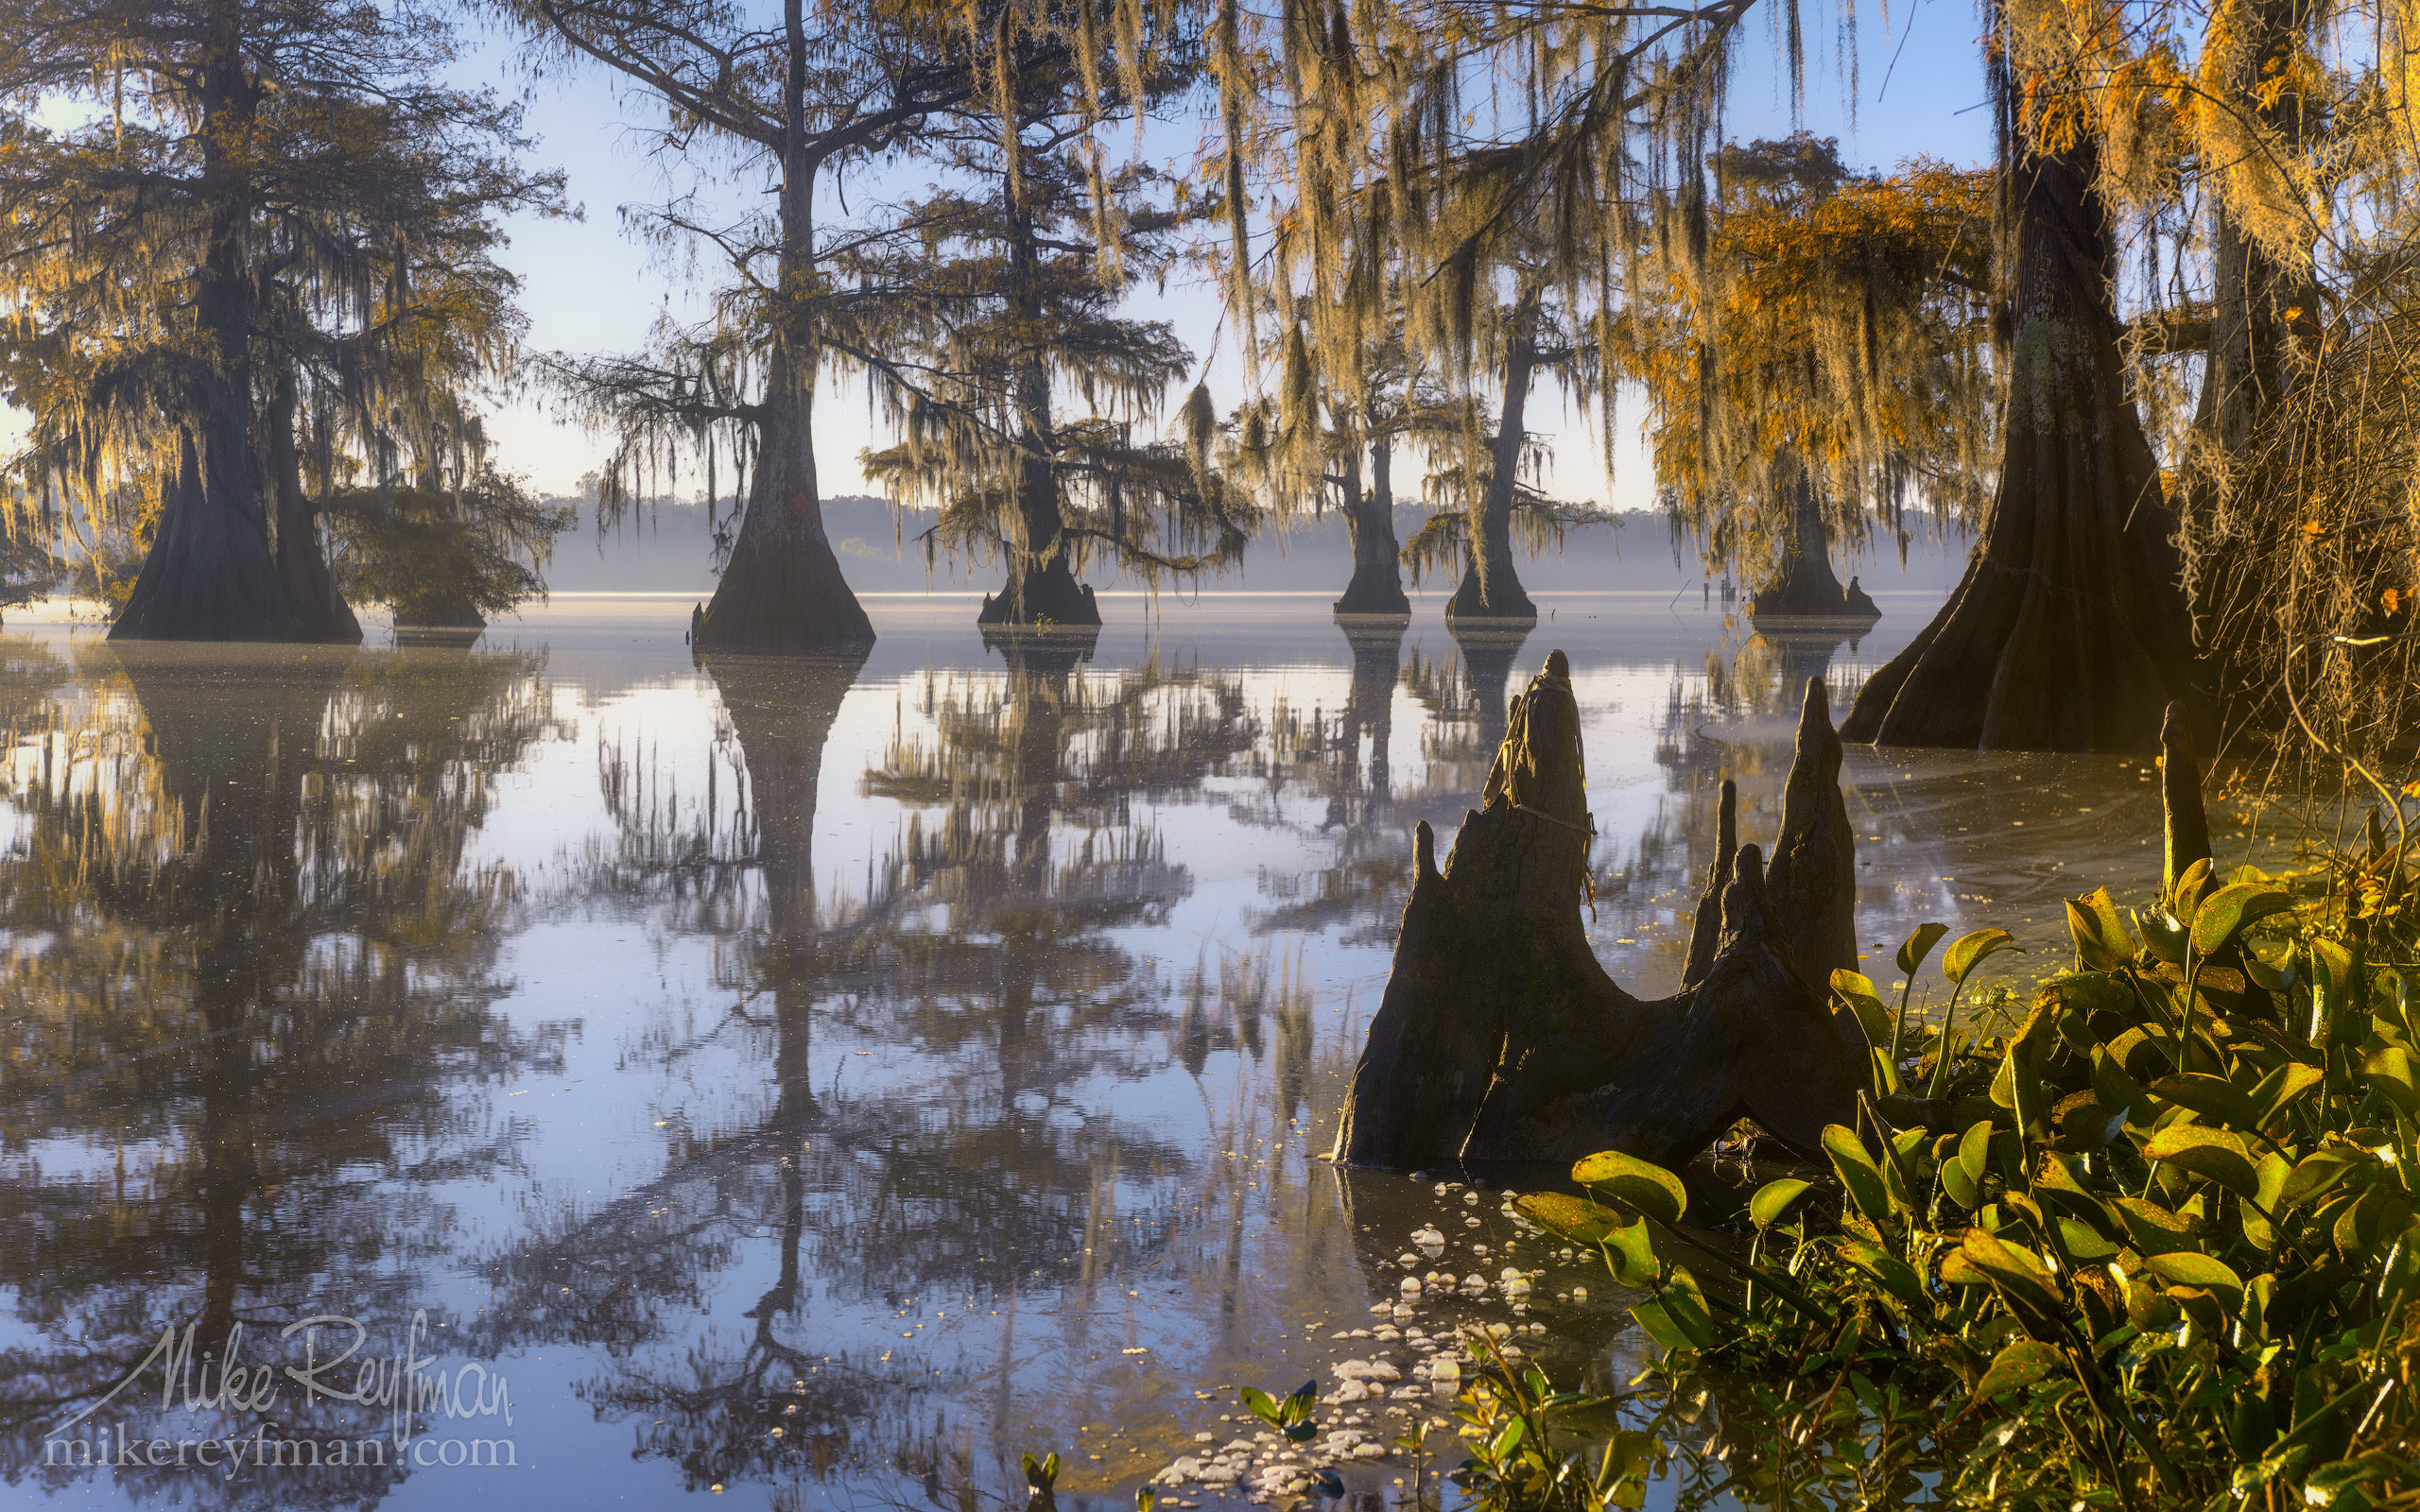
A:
[(983, 943), (248, 965)]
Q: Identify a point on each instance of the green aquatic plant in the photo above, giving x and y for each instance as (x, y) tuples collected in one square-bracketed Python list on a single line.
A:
[(2152, 1246)]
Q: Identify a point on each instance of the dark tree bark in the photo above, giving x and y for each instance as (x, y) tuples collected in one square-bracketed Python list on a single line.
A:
[(209, 576), (1491, 587), (782, 589), (301, 558), (1501, 1038), (1376, 586), (2069, 631), (1042, 590), (1805, 587)]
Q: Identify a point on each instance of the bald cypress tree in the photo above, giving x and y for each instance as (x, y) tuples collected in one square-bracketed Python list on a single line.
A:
[(258, 183)]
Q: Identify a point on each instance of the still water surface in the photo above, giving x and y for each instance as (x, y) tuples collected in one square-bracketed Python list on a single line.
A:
[(803, 1083)]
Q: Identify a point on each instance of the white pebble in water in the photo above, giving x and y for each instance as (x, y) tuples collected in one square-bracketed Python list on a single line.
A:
[(1579, 1294)]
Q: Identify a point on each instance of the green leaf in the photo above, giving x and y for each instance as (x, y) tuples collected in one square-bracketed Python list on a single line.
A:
[(2164, 935), (1643, 1184), (2279, 1090), (1962, 1187), (1913, 950), (1774, 1199), (1971, 951), (1297, 1406), (2213, 1098), (2012, 1269), (1893, 1273), (1263, 1406), (2210, 1153), (1686, 1306), (2390, 1071), (2103, 943), (1974, 1150), (1577, 1219), (2233, 909), (2084, 1242), (2151, 1229), (2319, 1171), (2185, 1268), (2017, 1366), (1857, 1172), (1853, 989), (1632, 1250), (1041, 1476)]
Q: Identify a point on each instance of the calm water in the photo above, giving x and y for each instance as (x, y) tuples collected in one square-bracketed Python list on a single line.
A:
[(808, 1084)]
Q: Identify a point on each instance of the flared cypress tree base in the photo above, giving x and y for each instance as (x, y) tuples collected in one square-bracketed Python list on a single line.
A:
[(1509, 606), (1041, 595), (1376, 589)]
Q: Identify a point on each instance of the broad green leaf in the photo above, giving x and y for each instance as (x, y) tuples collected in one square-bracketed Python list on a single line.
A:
[(1677, 1317), (2012, 1269), (2184, 892), (2162, 935), (1959, 1271), (2279, 1090), (1643, 1184), (1853, 989), (1857, 1172), (2103, 943), (2214, 1097), (1263, 1406), (1687, 1304), (2084, 1242), (1971, 951), (1895, 1275), (2017, 1366), (2320, 1169), (2391, 1071), (2233, 909), (1774, 1199), (1913, 950), (2210, 1153), (1961, 1186), (1632, 1250), (2151, 1229), (1577, 1219), (2185, 1268), (1975, 1151)]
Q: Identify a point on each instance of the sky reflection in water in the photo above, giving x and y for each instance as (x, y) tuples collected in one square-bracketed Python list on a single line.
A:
[(925, 1058)]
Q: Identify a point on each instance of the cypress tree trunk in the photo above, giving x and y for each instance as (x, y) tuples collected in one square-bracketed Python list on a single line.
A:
[(1490, 588), (301, 562), (1042, 590), (782, 589), (2069, 631), (1806, 587), (1376, 586), (209, 576)]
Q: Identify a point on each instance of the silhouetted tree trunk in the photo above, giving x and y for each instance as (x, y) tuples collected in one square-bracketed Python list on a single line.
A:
[(301, 559), (1806, 586), (2069, 631), (1042, 588), (209, 576), (1500, 1037), (1376, 586), (782, 589), (1491, 587)]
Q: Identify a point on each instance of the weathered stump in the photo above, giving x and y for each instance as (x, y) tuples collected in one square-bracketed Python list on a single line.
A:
[(1501, 1038)]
